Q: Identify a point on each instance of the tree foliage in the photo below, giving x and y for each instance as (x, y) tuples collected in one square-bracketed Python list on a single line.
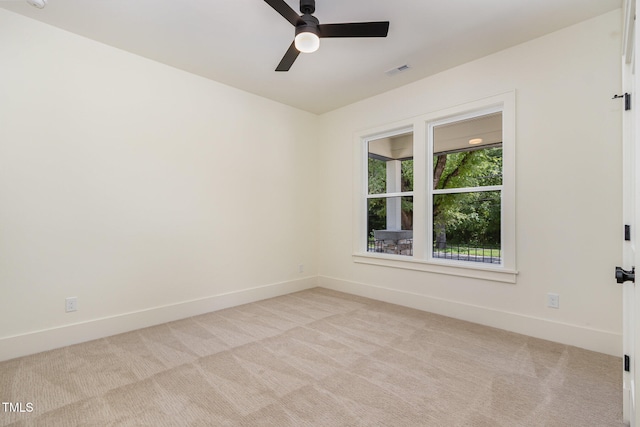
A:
[(470, 217)]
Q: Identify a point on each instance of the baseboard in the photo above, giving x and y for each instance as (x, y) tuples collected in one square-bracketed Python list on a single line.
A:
[(48, 339), (574, 335)]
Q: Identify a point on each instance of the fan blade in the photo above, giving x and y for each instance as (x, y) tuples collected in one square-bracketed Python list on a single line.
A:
[(355, 29), (288, 58), (285, 10)]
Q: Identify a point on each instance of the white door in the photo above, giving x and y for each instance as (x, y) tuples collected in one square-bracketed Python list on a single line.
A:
[(631, 212)]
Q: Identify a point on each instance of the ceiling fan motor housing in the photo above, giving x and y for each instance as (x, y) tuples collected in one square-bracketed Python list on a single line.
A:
[(310, 25), (307, 6)]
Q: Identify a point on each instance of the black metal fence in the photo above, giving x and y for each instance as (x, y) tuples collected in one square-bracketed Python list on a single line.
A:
[(464, 252), (375, 245), (488, 254), (397, 247)]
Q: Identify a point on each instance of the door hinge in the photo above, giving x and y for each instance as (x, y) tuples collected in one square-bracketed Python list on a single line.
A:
[(627, 100), (627, 363), (627, 232)]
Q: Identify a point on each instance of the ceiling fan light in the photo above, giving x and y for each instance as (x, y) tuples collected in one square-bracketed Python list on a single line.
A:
[(307, 42)]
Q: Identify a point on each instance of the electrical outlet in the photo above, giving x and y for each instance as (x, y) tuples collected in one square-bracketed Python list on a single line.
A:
[(553, 300), (300, 268), (71, 304)]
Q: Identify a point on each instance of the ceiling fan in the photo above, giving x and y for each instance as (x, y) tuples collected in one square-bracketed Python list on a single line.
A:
[(309, 31)]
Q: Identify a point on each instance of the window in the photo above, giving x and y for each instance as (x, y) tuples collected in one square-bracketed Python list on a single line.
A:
[(467, 188), (390, 194), (438, 192)]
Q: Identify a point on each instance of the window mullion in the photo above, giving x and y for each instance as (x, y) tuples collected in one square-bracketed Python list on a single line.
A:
[(419, 188)]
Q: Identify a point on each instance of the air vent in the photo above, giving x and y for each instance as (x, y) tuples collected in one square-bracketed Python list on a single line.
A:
[(40, 4), (394, 71)]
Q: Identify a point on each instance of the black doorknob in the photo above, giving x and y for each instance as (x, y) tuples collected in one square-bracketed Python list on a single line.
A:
[(625, 276)]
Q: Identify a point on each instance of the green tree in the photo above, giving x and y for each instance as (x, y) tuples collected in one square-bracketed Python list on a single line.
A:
[(474, 217)]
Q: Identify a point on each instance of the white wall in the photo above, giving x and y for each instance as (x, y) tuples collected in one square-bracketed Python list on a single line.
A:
[(568, 221), (147, 192)]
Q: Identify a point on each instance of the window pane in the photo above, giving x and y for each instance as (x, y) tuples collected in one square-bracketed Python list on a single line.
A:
[(407, 175), (390, 164), (477, 168), (390, 225), (468, 153), (466, 226), (377, 176)]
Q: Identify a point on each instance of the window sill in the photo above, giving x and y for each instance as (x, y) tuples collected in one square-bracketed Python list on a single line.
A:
[(453, 268)]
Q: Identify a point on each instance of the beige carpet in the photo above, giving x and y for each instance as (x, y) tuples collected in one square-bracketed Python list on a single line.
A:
[(315, 358)]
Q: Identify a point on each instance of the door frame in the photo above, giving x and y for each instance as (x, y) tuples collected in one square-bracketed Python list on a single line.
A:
[(631, 215)]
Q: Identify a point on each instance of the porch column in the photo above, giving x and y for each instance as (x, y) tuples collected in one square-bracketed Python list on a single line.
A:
[(394, 204)]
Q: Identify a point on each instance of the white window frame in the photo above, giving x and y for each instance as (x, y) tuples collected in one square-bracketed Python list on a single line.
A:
[(422, 259), (385, 195)]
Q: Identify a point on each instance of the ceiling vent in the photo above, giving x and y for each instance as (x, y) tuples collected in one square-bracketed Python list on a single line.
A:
[(40, 4), (394, 71)]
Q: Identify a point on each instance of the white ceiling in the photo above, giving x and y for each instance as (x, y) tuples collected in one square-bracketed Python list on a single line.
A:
[(240, 42)]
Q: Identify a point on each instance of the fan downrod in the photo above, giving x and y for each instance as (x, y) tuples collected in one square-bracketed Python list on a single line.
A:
[(307, 7)]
